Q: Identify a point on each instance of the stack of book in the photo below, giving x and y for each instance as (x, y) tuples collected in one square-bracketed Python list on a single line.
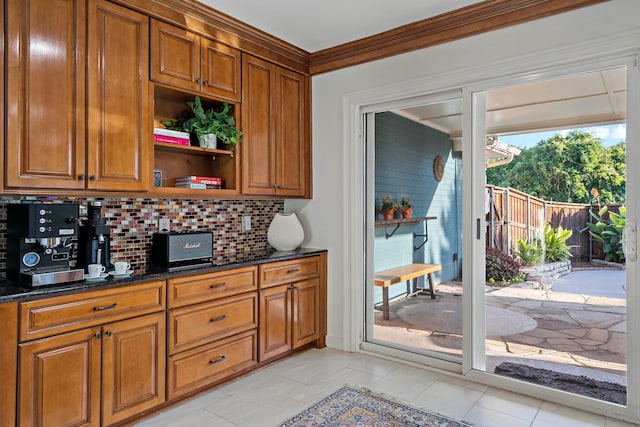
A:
[(201, 182), (170, 136)]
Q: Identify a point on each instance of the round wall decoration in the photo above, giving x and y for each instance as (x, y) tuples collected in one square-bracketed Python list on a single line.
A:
[(438, 168)]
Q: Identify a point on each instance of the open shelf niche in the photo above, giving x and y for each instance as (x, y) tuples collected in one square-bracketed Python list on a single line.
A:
[(178, 161)]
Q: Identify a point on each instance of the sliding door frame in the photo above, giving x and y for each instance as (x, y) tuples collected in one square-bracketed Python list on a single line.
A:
[(472, 82)]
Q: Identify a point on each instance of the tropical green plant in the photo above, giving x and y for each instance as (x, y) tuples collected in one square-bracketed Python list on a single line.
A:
[(555, 243), (501, 268), (201, 121), (609, 232), (529, 251)]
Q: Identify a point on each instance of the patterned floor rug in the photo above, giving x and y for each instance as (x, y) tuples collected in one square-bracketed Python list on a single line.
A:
[(352, 406)]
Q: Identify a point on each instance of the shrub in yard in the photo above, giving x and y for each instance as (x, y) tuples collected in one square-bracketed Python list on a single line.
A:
[(529, 252), (555, 243), (609, 233), (501, 267)]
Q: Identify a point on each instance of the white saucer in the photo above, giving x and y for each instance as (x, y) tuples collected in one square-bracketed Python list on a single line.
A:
[(102, 276), (120, 276)]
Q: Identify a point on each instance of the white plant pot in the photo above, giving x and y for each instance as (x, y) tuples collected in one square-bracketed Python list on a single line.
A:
[(208, 140), (285, 232)]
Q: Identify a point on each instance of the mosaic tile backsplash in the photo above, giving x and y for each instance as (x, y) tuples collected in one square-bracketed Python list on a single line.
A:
[(133, 221)]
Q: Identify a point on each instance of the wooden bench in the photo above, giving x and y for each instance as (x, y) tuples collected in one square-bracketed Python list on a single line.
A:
[(404, 273)]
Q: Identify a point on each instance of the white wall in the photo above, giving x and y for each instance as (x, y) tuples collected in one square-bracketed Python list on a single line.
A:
[(325, 216)]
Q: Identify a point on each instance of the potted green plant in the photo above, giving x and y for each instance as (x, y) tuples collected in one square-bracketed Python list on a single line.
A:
[(203, 122), (406, 207), (388, 207)]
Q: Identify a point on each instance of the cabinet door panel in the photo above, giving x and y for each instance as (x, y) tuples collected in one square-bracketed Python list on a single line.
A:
[(133, 371), (292, 156), (220, 70), (306, 312), (45, 114), (275, 322), (258, 151), (118, 119), (60, 380), (175, 56)]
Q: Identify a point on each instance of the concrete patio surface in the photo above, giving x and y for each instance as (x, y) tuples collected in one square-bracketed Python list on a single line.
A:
[(569, 331)]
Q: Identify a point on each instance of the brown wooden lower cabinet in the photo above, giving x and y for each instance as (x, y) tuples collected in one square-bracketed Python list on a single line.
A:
[(289, 317), (101, 357), (63, 377), (133, 366), (60, 380)]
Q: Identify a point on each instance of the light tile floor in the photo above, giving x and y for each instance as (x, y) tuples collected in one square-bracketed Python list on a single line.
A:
[(271, 395)]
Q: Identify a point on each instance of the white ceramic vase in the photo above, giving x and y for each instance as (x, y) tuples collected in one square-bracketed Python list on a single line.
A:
[(285, 232), (208, 140)]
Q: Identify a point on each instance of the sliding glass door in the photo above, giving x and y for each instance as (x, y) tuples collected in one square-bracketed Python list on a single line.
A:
[(446, 286), (414, 299)]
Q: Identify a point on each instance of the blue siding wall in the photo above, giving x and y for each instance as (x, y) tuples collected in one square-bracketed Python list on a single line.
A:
[(404, 154)]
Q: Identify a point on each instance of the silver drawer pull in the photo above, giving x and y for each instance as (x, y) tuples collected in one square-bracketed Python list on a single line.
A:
[(105, 307), (293, 270), (219, 285), (218, 319), (218, 360)]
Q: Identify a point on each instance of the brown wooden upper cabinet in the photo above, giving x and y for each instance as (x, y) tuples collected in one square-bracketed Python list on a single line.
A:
[(276, 156), (77, 94), (186, 60)]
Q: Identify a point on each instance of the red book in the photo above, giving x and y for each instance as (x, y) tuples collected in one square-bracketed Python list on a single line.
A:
[(170, 139), (209, 180)]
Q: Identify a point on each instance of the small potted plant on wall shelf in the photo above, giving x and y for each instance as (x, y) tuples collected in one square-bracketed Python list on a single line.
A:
[(406, 207), (208, 125), (388, 207)]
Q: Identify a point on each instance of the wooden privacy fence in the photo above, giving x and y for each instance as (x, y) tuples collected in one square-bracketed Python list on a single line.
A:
[(513, 215)]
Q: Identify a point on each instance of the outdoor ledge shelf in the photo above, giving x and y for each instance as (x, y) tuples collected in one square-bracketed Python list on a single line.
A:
[(398, 222)]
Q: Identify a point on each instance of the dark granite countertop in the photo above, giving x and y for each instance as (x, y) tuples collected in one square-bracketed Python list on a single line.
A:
[(11, 291)]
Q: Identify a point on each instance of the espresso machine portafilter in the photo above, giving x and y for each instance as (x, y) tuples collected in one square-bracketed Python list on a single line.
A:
[(94, 240)]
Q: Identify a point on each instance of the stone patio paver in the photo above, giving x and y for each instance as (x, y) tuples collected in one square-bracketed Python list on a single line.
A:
[(585, 333)]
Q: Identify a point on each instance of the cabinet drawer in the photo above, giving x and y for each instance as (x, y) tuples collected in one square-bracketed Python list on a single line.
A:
[(206, 287), (277, 273), (200, 324), (54, 315), (205, 365)]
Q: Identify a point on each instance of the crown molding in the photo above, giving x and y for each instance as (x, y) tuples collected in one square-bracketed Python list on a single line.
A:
[(208, 22), (477, 18)]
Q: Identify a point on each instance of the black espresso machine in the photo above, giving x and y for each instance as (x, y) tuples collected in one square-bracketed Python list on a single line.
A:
[(40, 243)]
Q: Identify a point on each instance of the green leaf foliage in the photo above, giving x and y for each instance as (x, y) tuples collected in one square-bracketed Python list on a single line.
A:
[(609, 232), (555, 243), (554, 248), (201, 121), (529, 252), (564, 168)]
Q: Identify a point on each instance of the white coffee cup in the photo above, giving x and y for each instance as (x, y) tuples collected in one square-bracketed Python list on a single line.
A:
[(121, 267), (95, 270)]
